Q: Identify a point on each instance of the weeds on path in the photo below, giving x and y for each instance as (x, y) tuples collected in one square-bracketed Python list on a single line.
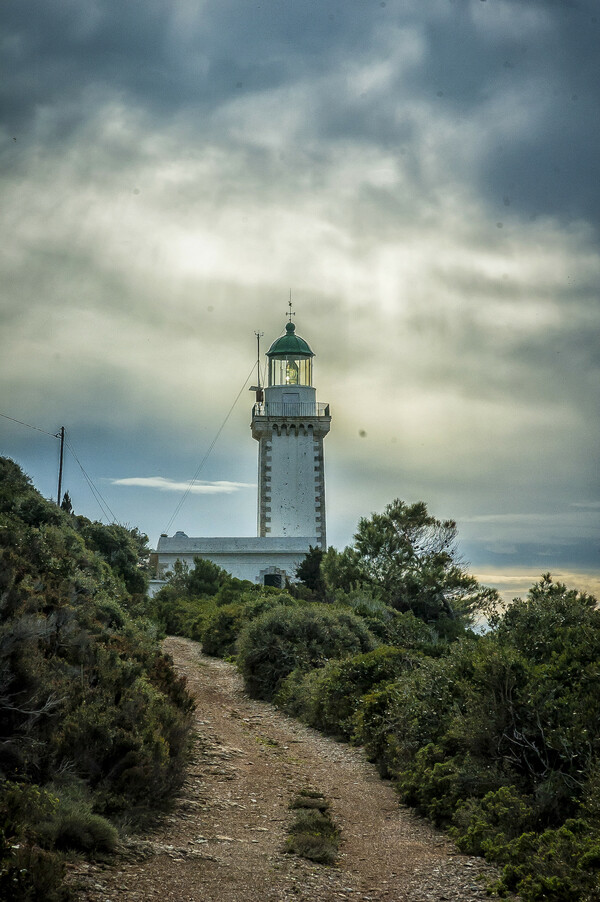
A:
[(313, 834)]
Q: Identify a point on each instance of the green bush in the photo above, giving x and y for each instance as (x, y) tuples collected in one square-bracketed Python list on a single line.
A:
[(289, 638), (500, 737), (432, 784), (206, 578), (83, 831), (554, 866), (29, 874), (223, 625), (185, 605), (375, 725), (26, 871), (400, 717), (485, 826), (70, 824), (87, 699), (222, 629), (242, 590), (390, 626), (267, 599), (179, 615), (22, 807), (295, 694), (336, 692), (308, 798)]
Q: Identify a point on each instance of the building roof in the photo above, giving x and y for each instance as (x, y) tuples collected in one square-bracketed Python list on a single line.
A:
[(290, 344), (182, 544)]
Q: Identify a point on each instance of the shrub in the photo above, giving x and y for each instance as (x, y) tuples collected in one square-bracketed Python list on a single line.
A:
[(86, 697), (72, 825), (28, 874), (26, 871), (295, 694), (375, 725), (432, 784), (289, 638), (206, 578), (242, 590), (390, 626), (83, 831), (22, 807), (397, 719), (485, 826), (337, 690), (308, 798), (225, 622), (222, 629), (178, 615), (558, 865)]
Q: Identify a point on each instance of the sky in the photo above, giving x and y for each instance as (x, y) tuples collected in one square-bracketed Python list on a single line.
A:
[(424, 177)]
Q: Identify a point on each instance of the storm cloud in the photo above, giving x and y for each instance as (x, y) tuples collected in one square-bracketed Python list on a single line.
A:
[(424, 177)]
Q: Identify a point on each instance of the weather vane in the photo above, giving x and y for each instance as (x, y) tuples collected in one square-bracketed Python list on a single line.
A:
[(290, 312)]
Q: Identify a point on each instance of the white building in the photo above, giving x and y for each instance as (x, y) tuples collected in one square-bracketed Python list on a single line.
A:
[(289, 426)]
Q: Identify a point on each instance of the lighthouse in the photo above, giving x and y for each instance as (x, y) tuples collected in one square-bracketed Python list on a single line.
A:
[(289, 425)]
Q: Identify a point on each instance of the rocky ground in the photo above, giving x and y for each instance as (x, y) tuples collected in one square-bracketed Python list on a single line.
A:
[(224, 840)]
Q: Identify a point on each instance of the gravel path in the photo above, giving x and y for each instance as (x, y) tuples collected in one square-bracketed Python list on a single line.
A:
[(224, 840)]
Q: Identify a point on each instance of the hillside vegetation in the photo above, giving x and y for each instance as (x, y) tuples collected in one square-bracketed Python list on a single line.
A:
[(93, 719), (494, 736)]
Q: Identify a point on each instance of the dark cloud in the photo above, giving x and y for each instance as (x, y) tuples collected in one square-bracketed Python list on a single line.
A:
[(555, 170), (180, 166), (163, 56), (65, 60), (546, 556)]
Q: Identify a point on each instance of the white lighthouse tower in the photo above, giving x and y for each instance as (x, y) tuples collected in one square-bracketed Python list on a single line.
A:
[(290, 425)]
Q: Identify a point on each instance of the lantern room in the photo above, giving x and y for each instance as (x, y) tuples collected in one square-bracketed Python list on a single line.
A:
[(290, 360)]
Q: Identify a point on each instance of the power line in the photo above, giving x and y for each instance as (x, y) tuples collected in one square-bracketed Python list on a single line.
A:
[(206, 456), (102, 502), (29, 426)]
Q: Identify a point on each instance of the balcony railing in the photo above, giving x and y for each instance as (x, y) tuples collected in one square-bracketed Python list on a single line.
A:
[(295, 409)]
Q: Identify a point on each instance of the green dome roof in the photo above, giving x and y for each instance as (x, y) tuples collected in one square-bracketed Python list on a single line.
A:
[(290, 344)]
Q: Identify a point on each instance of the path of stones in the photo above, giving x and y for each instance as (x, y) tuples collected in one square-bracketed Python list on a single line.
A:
[(224, 840)]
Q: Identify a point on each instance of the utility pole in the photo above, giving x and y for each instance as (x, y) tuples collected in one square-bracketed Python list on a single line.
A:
[(61, 435)]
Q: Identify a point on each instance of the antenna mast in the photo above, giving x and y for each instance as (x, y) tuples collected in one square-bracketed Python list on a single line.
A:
[(258, 337)]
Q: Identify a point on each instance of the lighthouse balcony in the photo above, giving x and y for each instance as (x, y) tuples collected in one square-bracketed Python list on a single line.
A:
[(290, 409)]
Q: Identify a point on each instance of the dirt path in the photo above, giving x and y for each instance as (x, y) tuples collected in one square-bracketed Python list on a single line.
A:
[(224, 840)]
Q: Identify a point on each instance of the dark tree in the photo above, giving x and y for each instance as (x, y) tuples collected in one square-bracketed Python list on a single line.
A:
[(66, 504), (206, 578), (308, 572), (413, 561)]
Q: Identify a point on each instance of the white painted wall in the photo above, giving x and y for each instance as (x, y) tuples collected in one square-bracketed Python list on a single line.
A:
[(305, 394), (243, 557), (292, 484)]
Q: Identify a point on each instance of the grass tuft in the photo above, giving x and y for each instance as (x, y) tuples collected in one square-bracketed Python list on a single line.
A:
[(313, 834)]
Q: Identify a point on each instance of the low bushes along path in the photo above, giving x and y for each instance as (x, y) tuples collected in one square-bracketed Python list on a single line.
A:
[(224, 840)]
